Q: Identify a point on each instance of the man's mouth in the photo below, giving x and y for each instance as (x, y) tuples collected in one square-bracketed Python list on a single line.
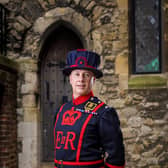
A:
[(80, 86)]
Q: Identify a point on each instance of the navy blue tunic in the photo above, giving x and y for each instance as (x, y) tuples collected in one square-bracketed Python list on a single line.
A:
[(87, 134)]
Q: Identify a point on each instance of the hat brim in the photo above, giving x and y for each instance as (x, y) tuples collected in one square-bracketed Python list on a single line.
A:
[(97, 73)]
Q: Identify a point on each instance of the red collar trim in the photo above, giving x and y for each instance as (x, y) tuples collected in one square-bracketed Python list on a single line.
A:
[(82, 99)]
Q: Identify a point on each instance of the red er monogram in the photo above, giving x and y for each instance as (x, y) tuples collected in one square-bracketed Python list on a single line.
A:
[(65, 140)]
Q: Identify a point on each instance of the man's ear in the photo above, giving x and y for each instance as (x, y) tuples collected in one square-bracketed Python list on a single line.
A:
[(70, 79), (93, 80)]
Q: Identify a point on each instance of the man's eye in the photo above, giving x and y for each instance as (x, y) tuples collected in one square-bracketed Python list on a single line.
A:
[(77, 74), (87, 75)]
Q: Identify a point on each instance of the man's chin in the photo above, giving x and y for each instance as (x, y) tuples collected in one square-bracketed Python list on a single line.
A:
[(82, 92)]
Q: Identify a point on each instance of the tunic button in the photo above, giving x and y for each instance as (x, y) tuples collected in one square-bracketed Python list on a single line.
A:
[(91, 98), (99, 102)]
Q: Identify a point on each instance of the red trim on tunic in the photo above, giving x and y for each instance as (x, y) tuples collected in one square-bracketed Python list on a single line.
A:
[(82, 99), (81, 137), (83, 131), (112, 166), (55, 127), (97, 107), (87, 163)]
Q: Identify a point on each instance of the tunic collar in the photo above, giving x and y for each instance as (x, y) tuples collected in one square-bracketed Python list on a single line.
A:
[(81, 99)]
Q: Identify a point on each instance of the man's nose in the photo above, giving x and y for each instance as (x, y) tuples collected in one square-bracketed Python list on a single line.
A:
[(81, 77)]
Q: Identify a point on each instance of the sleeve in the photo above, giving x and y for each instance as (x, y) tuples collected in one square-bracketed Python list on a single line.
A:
[(111, 139)]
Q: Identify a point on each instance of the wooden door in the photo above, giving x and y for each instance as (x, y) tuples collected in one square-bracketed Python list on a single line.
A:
[(55, 87), (1, 93)]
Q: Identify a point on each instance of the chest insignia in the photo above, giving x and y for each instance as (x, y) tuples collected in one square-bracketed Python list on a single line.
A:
[(90, 106), (70, 117)]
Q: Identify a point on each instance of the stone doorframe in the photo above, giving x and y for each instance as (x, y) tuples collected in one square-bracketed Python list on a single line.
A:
[(70, 18), (29, 129)]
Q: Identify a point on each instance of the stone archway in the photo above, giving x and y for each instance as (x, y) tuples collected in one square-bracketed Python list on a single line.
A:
[(53, 20), (75, 21), (34, 41)]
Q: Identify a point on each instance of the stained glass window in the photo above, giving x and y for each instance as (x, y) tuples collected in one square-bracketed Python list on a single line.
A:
[(147, 36)]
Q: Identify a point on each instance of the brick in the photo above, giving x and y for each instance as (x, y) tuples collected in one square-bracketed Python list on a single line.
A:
[(8, 123)]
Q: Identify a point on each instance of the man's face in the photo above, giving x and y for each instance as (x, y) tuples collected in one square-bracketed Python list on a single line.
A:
[(81, 82)]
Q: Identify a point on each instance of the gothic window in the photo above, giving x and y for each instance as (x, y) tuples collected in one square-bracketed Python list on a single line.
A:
[(146, 36), (3, 28)]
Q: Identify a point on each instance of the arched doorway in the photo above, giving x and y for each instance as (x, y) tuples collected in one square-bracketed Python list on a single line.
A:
[(55, 88)]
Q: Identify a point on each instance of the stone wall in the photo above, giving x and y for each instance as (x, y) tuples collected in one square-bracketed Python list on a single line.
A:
[(8, 118), (144, 118), (141, 102)]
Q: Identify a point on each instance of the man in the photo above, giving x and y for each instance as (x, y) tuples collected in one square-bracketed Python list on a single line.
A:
[(87, 132)]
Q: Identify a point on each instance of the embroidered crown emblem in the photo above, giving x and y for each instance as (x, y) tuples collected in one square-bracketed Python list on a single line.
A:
[(70, 117)]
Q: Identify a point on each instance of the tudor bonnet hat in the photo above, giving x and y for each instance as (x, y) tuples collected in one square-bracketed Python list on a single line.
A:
[(83, 59)]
